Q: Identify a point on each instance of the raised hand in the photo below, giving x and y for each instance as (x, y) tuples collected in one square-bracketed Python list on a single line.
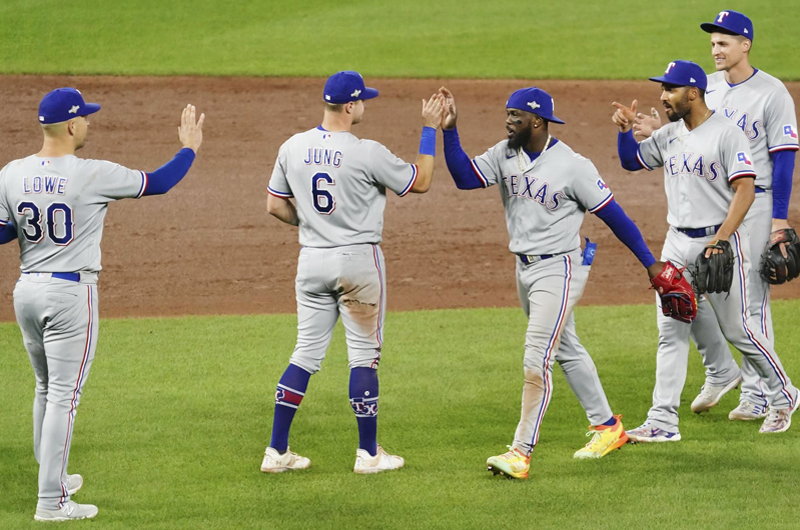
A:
[(450, 114), (624, 116), (645, 125), (432, 111), (190, 131)]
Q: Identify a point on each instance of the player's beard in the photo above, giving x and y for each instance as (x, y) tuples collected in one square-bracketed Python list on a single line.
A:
[(680, 109), (520, 138)]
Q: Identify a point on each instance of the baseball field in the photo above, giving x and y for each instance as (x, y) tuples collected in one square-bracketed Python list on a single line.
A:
[(197, 292)]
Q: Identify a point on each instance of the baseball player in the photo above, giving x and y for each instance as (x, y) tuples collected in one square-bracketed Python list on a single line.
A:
[(760, 105), (546, 189), (709, 178), (339, 184), (56, 203)]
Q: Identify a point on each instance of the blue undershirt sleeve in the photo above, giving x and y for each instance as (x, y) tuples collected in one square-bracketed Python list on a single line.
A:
[(458, 162), (627, 147), (167, 176), (8, 233), (782, 170), (626, 231)]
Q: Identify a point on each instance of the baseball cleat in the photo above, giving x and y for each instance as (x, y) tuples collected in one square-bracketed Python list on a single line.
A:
[(275, 462), (648, 432), (605, 439), (71, 511), (74, 483), (778, 420), (513, 464), (367, 464), (710, 395), (747, 411)]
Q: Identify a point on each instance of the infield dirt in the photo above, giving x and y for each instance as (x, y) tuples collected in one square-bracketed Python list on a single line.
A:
[(209, 247)]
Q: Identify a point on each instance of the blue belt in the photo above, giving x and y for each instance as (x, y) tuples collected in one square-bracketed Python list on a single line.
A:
[(760, 190), (699, 232), (527, 260), (69, 276)]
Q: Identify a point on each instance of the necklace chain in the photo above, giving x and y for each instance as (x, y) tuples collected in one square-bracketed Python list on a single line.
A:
[(519, 153)]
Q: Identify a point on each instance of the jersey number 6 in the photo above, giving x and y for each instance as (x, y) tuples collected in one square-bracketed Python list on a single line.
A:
[(324, 202), (33, 217)]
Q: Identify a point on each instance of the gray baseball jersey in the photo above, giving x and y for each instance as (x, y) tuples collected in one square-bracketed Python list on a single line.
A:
[(763, 109), (699, 166), (545, 199), (339, 184), (58, 206)]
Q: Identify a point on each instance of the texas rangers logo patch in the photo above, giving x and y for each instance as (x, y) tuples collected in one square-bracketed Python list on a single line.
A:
[(741, 156), (601, 185), (788, 130)]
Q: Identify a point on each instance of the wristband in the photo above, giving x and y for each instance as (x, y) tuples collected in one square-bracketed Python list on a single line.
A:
[(427, 143)]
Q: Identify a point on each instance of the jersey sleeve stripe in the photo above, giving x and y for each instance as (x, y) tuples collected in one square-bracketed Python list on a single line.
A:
[(414, 175), (740, 174), (479, 173), (602, 204), (4, 223), (784, 147), (280, 194), (641, 160), (144, 185)]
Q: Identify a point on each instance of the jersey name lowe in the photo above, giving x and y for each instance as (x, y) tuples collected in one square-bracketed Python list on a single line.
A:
[(58, 206)]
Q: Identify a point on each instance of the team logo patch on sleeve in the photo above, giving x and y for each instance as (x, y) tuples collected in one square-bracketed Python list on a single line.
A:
[(601, 185), (741, 156), (788, 130)]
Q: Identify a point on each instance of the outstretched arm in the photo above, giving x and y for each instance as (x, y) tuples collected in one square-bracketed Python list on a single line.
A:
[(431, 120), (459, 164), (167, 176), (626, 231)]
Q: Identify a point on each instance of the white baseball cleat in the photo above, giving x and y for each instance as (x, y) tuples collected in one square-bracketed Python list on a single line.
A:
[(382, 461), (778, 420), (710, 395), (275, 462), (74, 483), (71, 511), (648, 432), (747, 411)]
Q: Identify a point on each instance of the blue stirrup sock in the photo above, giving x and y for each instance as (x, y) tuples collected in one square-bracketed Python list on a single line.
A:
[(364, 400), (289, 394)]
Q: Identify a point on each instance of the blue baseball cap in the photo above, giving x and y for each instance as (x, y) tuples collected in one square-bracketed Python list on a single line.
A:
[(534, 100), (64, 104), (730, 22), (347, 86), (683, 73)]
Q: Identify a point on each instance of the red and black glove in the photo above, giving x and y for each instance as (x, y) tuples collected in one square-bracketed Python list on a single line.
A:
[(677, 297)]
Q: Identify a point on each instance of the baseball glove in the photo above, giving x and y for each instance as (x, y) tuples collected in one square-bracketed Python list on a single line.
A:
[(677, 297), (714, 274), (776, 269)]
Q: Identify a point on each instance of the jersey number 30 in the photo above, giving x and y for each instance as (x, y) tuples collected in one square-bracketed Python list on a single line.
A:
[(59, 222), (324, 201)]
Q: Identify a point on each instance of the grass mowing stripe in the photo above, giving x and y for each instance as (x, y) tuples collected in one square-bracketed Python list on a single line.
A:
[(176, 414), (451, 38)]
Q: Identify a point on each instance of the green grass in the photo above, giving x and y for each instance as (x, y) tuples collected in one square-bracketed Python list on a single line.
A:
[(612, 39), (176, 414)]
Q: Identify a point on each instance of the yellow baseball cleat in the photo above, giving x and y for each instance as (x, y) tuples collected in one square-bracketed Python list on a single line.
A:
[(605, 438), (513, 464)]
